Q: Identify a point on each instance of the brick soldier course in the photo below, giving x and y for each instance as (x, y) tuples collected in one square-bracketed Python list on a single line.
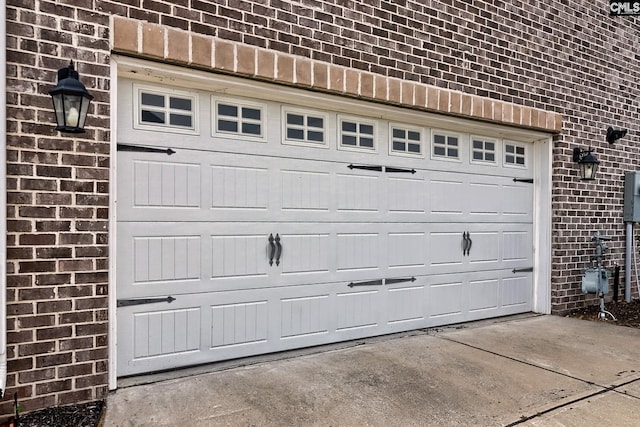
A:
[(561, 67)]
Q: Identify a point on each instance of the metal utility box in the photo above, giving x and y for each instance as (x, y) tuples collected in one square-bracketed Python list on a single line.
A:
[(632, 197), (595, 280)]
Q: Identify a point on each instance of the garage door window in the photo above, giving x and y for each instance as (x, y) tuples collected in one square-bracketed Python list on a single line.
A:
[(304, 128), (406, 141), (514, 155), (169, 111), (445, 146), (355, 134), (237, 119), (483, 150)]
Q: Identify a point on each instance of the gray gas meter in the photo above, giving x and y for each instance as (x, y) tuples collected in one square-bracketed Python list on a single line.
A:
[(595, 281), (632, 197)]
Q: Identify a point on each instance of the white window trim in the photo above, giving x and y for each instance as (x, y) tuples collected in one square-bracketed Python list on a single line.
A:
[(305, 112), (239, 102), (447, 134), (425, 135), (359, 121), (138, 89), (497, 152)]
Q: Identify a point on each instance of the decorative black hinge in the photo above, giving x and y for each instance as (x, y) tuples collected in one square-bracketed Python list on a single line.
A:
[(366, 167), (368, 283), (399, 280), (143, 149), (399, 170), (522, 270), (141, 301), (527, 180)]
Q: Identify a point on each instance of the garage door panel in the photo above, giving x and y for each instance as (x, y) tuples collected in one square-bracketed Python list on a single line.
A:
[(239, 188), (357, 309), (166, 184), (405, 304), (239, 323), (406, 196), (407, 249), (444, 300), (306, 191), (303, 316), (238, 256)]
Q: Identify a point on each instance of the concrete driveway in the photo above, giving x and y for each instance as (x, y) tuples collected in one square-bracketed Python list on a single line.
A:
[(527, 370)]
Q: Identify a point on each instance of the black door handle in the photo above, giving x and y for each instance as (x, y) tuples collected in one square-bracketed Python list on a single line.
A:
[(272, 249), (278, 250), (465, 243), (470, 243)]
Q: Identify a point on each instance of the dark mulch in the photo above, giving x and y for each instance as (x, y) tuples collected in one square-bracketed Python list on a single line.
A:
[(82, 415), (626, 314)]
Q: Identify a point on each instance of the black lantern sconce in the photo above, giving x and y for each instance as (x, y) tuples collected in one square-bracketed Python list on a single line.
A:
[(70, 101), (588, 163), (615, 134)]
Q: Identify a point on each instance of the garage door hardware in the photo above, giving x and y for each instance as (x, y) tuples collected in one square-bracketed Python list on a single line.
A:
[(400, 280), (381, 282), (140, 301), (368, 283), (522, 270), (387, 169), (466, 243), (275, 249), (366, 167), (143, 149), (527, 180)]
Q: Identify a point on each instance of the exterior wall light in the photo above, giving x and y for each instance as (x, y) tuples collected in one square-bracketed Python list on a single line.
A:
[(588, 163), (615, 134), (70, 101)]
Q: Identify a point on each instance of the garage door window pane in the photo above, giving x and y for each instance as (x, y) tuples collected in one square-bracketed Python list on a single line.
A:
[(357, 135), (152, 100), (406, 141), (304, 128), (166, 110), (445, 146), (180, 120), (238, 119), (152, 117)]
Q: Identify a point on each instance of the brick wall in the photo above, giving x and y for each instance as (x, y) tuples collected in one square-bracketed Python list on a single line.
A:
[(565, 57), (57, 214)]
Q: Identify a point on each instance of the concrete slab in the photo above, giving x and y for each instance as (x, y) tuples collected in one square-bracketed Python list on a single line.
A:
[(610, 409), (591, 351), (495, 373)]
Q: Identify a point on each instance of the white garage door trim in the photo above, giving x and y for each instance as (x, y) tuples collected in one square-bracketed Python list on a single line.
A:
[(157, 73)]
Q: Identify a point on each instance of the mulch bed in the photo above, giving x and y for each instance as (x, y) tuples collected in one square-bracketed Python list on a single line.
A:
[(626, 314), (82, 415)]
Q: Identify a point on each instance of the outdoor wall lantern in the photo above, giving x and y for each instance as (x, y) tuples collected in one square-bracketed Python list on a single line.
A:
[(587, 162), (70, 101), (615, 134)]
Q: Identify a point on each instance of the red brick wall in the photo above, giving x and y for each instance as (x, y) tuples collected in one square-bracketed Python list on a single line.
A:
[(567, 57)]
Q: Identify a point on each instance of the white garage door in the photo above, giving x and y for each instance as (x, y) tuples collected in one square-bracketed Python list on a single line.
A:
[(247, 227)]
